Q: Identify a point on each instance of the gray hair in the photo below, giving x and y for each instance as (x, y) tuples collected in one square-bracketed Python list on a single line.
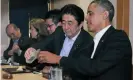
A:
[(107, 5)]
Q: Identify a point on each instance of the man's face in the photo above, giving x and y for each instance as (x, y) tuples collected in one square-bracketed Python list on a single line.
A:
[(13, 33), (70, 25), (94, 17), (51, 26)]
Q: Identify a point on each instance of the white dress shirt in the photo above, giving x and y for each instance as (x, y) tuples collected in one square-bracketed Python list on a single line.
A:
[(97, 38), (67, 45)]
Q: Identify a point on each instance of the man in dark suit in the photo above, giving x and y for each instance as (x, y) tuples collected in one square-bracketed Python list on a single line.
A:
[(68, 39), (13, 51), (111, 58), (52, 19)]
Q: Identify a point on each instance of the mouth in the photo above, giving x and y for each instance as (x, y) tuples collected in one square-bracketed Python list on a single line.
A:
[(67, 33), (88, 23)]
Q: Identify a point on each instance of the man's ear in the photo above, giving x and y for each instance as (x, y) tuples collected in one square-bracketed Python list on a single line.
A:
[(81, 24), (106, 15), (18, 29), (59, 24)]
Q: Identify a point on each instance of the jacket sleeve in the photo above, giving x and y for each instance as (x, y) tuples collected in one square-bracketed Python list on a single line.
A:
[(43, 44), (6, 56), (25, 42)]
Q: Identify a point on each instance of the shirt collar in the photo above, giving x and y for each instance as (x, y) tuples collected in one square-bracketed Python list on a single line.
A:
[(75, 37), (100, 33), (15, 41)]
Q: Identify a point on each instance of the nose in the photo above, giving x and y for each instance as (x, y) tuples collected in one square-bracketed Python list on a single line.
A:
[(65, 26)]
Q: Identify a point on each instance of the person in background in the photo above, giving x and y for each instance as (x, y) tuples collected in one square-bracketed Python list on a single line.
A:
[(111, 58), (38, 26), (38, 32), (52, 19), (68, 40), (13, 32)]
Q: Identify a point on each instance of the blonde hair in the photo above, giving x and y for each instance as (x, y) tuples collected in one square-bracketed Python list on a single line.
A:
[(36, 20), (40, 26)]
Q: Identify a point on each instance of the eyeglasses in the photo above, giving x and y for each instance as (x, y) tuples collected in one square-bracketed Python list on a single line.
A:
[(50, 25)]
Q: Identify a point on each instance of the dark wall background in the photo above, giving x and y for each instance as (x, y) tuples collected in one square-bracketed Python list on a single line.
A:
[(21, 11)]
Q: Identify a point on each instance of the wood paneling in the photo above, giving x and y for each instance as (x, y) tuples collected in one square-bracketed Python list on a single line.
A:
[(51, 4), (123, 15)]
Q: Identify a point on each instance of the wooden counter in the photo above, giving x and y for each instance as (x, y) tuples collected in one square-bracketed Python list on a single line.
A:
[(22, 76)]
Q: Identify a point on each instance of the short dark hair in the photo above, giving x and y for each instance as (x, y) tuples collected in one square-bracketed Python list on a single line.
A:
[(107, 5), (54, 15), (73, 10)]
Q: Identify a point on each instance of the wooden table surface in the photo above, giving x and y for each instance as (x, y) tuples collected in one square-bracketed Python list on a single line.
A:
[(22, 76)]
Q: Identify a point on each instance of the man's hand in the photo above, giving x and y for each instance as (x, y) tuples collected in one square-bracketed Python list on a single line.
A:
[(15, 47), (48, 57), (28, 53), (10, 53)]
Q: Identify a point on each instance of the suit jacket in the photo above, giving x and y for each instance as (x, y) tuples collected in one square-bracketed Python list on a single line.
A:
[(20, 59), (55, 45), (25, 42), (112, 59)]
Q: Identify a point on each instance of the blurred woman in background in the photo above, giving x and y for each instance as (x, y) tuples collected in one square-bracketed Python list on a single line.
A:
[(38, 32)]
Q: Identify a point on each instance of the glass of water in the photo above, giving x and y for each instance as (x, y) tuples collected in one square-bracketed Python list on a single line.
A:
[(54, 73)]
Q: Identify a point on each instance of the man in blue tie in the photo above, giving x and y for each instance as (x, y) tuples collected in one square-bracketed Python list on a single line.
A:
[(13, 51)]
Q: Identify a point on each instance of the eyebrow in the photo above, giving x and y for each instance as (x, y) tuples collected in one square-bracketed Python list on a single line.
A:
[(62, 20), (66, 21), (89, 11)]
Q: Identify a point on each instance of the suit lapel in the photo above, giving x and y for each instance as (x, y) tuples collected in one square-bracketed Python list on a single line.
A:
[(59, 44), (77, 44), (102, 40), (59, 38)]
